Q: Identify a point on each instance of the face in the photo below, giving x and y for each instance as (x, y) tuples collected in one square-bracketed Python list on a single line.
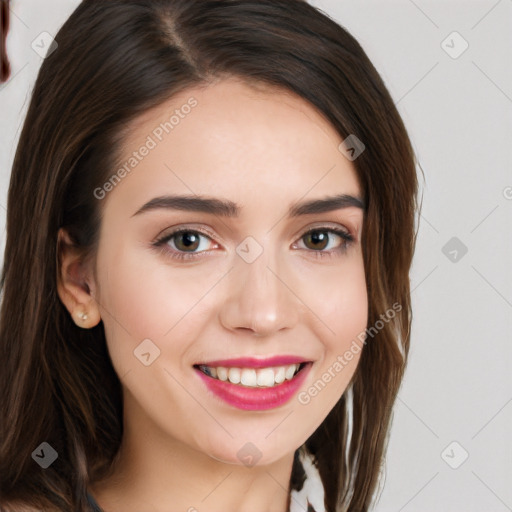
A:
[(184, 283)]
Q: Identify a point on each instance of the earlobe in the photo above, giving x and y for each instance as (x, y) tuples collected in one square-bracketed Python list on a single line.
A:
[(72, 283)]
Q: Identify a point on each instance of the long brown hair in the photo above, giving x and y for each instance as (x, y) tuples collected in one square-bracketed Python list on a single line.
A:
[(114, 61)]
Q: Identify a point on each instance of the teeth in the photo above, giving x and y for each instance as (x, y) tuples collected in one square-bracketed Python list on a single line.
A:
[(222, 373), (289, 372), (265, 377), (234, 375), (280, 375), (250, 377)]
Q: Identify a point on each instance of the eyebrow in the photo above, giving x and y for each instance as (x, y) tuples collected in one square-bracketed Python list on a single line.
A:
[(227, 208)]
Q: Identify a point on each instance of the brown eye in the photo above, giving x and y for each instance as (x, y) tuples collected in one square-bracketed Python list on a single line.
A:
[(185, 244), (186, 240), (317, 239)]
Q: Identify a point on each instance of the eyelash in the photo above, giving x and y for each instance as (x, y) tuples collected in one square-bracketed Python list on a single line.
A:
[(346, 237)]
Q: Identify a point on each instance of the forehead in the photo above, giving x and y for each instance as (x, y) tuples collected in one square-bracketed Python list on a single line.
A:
[(225, 103), (229, 137)]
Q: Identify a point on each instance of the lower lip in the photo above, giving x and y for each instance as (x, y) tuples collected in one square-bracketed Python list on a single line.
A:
[(255, 399)]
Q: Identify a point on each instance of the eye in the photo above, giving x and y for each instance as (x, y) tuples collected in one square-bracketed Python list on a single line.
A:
[(182, 243), (319, 239), (186, 243)]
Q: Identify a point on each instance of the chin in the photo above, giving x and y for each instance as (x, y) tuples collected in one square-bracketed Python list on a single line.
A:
[(249, 454)]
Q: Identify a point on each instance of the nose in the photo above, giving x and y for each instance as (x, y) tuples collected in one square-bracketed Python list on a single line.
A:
[(260, 298)]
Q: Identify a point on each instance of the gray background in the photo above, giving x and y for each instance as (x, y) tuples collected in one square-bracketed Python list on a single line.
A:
[(459, 114)]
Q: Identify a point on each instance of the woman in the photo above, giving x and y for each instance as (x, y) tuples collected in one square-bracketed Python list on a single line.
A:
[(206, 302)]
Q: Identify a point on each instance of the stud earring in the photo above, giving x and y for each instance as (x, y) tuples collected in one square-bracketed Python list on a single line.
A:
[(83, 316)]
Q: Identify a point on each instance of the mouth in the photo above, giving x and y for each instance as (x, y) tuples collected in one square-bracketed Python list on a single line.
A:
[(256, 387), (265, 377)]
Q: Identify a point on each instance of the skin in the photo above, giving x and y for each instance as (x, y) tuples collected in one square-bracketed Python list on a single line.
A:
[(265, 149)]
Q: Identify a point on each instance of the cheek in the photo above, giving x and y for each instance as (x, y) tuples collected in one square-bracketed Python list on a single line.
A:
[(132, 301), (131, 306), (342, 305), (339, 298), (143, 299)]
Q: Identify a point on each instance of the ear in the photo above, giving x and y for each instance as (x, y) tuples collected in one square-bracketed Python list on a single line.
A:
[(73, 280)]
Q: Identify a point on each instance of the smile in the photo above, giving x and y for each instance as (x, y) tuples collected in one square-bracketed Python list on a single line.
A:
[(251, 377), (253, 389)]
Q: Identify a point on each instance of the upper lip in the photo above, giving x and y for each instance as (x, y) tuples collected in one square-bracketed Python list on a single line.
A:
[(253, 362)]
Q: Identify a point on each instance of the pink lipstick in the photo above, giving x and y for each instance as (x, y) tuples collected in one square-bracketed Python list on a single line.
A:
[(254, 398)]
